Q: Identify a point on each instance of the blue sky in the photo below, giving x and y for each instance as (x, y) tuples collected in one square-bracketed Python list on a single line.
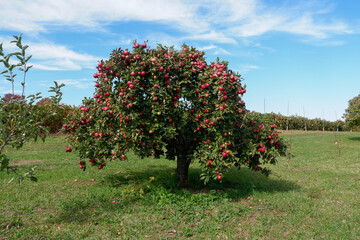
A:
[(293, 55)]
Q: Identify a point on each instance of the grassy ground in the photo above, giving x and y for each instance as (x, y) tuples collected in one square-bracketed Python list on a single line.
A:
[(313, 195)]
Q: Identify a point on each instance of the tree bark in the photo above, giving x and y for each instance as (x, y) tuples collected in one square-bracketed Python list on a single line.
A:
[(183, 150), (182, 169)]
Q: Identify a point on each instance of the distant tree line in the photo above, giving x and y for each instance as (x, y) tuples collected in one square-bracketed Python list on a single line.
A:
[(53, 116), (301, 123), (56, 119)]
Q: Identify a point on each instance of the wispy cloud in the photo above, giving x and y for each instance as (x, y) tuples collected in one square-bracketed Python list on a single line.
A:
[(8, 90), (324, 43), (77, 83), (51, 56), (57, 57), (216, 49), (212, 36), (221, 51), (204, 20), (209, 47), (306, 25), (28, 16), (3, 90), (247, 68), (165, 39)]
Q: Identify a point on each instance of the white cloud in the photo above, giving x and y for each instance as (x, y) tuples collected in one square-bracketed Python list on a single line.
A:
[(221, 51), (165, 39), (207, 20), (212, 36), (216, 50), (306, 25), (78, 83), (209, 47), (325, 43), (57, 57), (49, 56), (3, 90), (258, 25), (46, 51), (210, 21), (8, 90), (247, 68), (57, 65), (28, 15)]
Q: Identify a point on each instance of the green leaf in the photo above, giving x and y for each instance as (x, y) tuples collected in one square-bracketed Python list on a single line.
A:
[(5, 71), (7, 57), (27, 68), (28, 58), (4, 162), (20, 58), (15, 53), (34, 179), (12, 67)]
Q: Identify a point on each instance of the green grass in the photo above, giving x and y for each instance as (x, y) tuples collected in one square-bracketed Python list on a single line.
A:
[(313, 195)]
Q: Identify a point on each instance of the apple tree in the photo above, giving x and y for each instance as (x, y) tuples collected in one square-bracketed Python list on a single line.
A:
[(171, 102), (352, 113), (21, 119)]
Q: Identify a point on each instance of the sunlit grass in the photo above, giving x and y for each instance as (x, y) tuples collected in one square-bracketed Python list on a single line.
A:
[(313, 195)]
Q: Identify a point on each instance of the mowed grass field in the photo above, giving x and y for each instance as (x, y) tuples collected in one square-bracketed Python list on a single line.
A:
[(313, 195)]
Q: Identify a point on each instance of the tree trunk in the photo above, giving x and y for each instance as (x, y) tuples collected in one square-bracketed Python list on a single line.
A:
[(183, 149), (182, 169)]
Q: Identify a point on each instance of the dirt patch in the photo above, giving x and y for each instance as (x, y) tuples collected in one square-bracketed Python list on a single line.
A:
[(196, 191), (295, 132), (83, 182), (50, 167), (25, 162)]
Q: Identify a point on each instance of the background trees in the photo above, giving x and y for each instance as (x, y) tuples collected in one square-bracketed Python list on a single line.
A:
[(352, 113)]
